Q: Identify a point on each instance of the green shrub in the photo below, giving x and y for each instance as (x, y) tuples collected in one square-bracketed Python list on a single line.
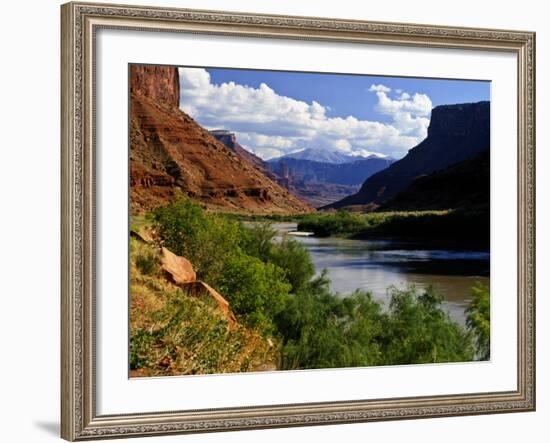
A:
[(418, 330), (321, 330), (295, 259), (271, 287), (337, 224), (469, 226), (257, 291), (478, 320), (207, 240), (287, 254), (258, 240)]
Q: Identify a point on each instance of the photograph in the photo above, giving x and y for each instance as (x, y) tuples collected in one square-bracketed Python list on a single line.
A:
[(278, 219), (291, 220)]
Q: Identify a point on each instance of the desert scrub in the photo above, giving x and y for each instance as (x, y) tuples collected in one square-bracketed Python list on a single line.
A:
[(478, 320), (174, 333), (190, 336), (322, 330)]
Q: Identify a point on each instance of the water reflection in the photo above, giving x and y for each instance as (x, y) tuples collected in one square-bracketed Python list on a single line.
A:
[(374, 265)]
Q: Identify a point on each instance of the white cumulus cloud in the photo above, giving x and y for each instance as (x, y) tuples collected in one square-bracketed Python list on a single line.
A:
[(270, 124), (379, 88)]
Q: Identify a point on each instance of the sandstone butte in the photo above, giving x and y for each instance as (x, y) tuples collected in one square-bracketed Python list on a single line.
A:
[(172, 154)]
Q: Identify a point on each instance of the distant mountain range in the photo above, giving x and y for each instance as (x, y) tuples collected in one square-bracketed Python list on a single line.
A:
[(321, 183), (456, 133), (352, 173), (325, 156), (316, 182)]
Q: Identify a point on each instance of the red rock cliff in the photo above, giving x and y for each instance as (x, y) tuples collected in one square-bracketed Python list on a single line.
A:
[(159, 83), (172, 154)]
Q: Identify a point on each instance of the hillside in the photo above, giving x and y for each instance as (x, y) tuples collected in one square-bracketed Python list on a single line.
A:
[(229, 139), (170, 153), (465, 184), (456, 133), (181, 328)]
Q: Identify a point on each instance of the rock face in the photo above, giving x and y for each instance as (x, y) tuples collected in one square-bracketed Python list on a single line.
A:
[(159, 83), (171, 154), (456, 133), (178, 268), (229, 139)]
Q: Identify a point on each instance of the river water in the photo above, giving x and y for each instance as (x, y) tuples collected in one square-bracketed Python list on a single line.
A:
[(374, 265)]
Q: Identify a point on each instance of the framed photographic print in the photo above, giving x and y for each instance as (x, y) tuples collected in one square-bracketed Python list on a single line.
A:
[(282, 221)]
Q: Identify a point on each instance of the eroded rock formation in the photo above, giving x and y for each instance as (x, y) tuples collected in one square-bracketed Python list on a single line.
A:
[(456, 133), (170, 153)]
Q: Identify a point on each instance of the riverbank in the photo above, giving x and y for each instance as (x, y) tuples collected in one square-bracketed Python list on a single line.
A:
[(273, 290), (469, 228), (373, 265)]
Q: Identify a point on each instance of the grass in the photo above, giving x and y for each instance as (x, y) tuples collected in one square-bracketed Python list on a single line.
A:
[(174, 333), (138, 222), (147, 263)]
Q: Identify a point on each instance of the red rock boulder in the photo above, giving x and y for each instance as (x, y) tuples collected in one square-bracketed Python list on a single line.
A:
[(178, 268)]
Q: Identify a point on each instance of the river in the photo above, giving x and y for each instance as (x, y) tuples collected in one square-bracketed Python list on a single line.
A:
[(374, 265)]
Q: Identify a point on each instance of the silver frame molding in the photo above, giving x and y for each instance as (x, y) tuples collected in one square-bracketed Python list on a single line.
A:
[(79, 22)]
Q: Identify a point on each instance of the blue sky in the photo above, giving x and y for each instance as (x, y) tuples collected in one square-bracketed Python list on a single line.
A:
[(276, 112), (347, 94)]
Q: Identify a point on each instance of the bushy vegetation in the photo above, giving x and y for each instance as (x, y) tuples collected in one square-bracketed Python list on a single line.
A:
[(470, 226), (324, 331), (206, 240), (478, 320), (271, 286), (346, 223), (253, 272), (257, 291), (418, 329), (321, 330)]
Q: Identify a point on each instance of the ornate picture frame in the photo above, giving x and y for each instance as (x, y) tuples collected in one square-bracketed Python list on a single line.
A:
[(80, 23)]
